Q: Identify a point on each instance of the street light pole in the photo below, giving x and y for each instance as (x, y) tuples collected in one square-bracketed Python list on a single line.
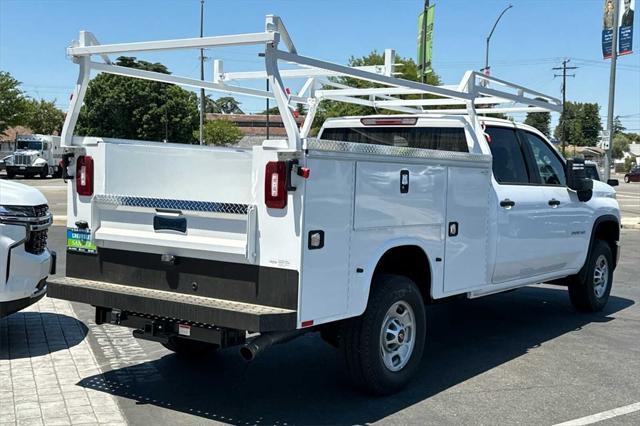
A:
[(486, 55), (201, 74), (612, 92)]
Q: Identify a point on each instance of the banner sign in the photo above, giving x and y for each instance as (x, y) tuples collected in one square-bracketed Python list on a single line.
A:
[(625, 34), (425, 39), (626, 10)]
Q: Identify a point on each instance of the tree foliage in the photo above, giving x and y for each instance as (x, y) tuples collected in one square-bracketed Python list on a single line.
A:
[(539, 120), (220, 132), (13, 104), (408, 71), (581, 123), (222, 105), (620, 145), (43, 117), (130, 108)]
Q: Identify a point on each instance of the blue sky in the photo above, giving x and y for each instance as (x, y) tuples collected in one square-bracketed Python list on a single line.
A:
[(533, 37)]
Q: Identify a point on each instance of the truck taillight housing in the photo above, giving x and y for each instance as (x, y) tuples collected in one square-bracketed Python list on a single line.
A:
[(84, 175), (275, 185)]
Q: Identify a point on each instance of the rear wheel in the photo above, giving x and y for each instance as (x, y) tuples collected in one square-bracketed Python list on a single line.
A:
[(190, 348), (591, 293), (626, 179), (383, 347)]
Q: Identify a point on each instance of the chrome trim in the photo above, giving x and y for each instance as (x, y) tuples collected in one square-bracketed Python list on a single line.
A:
[(393, 151), (32, 223), (162, 203)]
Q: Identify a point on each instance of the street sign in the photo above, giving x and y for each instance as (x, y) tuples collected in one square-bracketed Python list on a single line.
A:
[(604, 139)]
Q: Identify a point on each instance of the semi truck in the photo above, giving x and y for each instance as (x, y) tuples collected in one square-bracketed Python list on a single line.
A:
[(35, 155), (352, 233)]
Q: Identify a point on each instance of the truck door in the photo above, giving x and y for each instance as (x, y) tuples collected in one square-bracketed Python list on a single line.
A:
[(522, 251), (567, 218)]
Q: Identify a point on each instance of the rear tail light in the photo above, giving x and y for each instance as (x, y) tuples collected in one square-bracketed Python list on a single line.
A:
[(275, 189), (84, 175)]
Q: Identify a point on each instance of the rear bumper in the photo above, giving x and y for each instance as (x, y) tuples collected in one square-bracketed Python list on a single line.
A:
[(172, 305)]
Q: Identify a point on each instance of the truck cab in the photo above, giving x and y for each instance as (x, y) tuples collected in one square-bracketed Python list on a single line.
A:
[(35, 155), (25, 261)]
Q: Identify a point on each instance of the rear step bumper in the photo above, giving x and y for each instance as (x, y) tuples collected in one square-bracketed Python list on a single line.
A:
[(206, 310)]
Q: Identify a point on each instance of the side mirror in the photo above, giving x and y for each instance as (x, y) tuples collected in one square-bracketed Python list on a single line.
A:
[(577, 179), (613, 182)]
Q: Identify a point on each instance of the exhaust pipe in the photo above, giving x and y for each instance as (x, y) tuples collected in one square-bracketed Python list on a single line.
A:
[(256, 346)]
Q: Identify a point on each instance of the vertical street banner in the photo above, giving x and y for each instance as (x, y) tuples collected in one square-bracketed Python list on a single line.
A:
[(625, 30), (626, 10), (425, 39)]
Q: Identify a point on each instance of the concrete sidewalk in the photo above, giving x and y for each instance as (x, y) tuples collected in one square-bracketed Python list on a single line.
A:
[(43, 356)]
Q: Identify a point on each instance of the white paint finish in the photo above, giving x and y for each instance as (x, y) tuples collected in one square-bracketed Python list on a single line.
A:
[(328, 207), (598, 417), (523, 249), (379, 202), (173, 171), (17, 194), (465, 259)]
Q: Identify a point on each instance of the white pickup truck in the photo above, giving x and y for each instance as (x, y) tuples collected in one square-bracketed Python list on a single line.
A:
[(25, 261), (352, 233)]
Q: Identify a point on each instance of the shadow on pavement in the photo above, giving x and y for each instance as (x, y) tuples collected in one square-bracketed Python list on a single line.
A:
[(32, 334), (303, 382)]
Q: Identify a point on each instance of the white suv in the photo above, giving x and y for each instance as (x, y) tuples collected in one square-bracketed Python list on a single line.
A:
[(25, 261)]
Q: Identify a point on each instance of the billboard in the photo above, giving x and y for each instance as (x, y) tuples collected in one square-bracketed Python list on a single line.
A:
[(626, 10), (425, 39)]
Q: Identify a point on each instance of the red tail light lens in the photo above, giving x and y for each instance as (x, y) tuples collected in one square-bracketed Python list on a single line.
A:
[(84, 175), (275, 189)]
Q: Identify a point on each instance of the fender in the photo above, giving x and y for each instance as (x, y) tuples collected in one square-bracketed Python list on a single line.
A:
[(360, 288), (596, 223), (39, 162)]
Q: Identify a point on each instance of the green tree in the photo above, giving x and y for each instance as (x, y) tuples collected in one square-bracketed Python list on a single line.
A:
[(220, 132), (43, 117), (620, 145), (222, 105), (539, 120), (617, 125), (581, 124), (13, 104), (130, 108), (408, 70)]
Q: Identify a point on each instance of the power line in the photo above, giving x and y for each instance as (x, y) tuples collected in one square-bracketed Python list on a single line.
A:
[(564, 76)]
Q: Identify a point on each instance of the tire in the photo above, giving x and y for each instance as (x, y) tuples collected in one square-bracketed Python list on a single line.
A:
[(44, 172), (10, 175), (626, 179), (190, 348), (591, 292), (365, 346)]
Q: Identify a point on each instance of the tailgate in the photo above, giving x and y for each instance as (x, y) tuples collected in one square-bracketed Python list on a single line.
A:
[(173, 199)]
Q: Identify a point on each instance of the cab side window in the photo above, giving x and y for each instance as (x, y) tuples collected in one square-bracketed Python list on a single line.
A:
[(548, 164), (509, 166)]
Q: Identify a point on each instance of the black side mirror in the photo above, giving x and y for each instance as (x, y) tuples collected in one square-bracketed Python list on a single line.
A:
[(577, 179), (613, 182)]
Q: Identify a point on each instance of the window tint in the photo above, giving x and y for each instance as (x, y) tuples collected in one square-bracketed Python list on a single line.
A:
[(508, 160), (548, 164), (591, 171), (440, 138)]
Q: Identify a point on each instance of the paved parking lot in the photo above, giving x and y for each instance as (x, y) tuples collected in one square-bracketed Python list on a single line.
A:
[(521, 357)]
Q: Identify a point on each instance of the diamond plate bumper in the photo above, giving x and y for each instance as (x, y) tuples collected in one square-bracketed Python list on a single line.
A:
[(184, 307)]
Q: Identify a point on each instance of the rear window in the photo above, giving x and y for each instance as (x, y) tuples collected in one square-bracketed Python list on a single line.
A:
[(438, 138)]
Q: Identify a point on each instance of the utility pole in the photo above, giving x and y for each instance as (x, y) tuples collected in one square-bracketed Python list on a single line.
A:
[(486, 68), (564, 76), (201, 74), (424, 43), (612, 92)]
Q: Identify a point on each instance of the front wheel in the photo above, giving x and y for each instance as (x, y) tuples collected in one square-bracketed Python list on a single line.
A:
[(591, 293), (383, 347), (44, 172)]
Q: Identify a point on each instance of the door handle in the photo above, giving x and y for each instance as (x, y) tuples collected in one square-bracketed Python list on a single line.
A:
[(507, 203), (554, 203)]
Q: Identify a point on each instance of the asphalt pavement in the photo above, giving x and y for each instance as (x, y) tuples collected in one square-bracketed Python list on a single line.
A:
[(522, 357)]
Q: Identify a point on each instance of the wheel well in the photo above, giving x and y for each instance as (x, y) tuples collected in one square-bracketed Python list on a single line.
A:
[(609, 232), (411, 262)]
